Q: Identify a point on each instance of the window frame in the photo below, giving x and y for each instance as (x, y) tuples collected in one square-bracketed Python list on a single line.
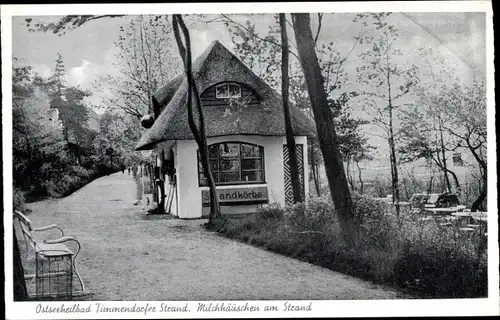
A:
[(228, 96), (239, 158)]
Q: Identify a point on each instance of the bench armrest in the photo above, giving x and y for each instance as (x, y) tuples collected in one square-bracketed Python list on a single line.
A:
[(50, 227), (60, 240), (65, 239)]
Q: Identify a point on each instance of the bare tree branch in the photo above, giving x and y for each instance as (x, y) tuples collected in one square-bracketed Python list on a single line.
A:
[(256, 35), (320, 18)]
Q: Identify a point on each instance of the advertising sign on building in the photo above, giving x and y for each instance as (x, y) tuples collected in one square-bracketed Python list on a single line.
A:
[(235, 196)]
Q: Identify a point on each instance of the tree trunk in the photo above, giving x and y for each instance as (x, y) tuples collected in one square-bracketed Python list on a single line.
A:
[(442, 166), (290, 138), (407, 192), (29, 166), (478, 203), (455, 178), (430, 185), (394, 171), (314, 167), (349, 174), (198, 133), (20, 290), (339, 188), (360, 177), (394, 162), (443, 156)]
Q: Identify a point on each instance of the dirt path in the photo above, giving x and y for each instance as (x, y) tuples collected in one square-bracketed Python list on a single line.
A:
[(127, 257)]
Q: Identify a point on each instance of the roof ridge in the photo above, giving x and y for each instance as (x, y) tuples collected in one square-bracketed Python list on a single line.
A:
[(218, 63)]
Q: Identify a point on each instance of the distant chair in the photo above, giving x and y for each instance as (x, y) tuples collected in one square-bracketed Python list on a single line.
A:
[(447, 200)]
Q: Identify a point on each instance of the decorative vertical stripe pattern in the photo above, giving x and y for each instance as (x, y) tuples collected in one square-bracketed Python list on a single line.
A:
[(288, 175)]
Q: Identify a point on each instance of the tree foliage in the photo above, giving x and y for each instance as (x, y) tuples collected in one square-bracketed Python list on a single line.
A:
[(37, 132), (465, 108), (65, 23), (146, 60), (53, 147), (387, 80), (261, 53)]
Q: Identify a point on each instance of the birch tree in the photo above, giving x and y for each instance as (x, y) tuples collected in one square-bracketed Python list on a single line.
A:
[(387, 81), (465, 108)]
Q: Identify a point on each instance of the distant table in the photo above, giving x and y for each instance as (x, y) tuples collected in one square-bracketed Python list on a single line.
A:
[(442, 210), (461, 214), (481, 216)]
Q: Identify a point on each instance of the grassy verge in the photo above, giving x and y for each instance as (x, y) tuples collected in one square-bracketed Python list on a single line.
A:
[(416, 256)]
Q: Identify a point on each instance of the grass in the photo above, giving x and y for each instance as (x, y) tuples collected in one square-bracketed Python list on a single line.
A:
[(418, 257)]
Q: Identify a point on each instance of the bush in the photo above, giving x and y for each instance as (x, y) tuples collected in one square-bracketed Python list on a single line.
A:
[(80, 172), (18, 201), (50, 188), (60, 181), (411, 254)]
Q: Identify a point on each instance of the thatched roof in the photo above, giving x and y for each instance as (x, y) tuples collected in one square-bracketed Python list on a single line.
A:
[(217, 64)]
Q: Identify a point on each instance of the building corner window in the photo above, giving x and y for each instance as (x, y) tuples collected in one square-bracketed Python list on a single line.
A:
[(234, 163)]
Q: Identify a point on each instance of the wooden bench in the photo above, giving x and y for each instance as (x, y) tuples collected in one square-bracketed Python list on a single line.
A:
[(47, 248)]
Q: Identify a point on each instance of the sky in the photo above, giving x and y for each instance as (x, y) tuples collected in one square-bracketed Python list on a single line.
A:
[(89, 50)]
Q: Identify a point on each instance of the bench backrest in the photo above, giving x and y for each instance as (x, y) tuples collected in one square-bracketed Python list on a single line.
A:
[(26, 227)]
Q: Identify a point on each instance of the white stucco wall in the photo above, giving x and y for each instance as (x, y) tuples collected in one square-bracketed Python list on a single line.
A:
[(189, 193)]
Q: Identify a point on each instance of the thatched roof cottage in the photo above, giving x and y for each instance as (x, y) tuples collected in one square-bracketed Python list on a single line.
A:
[(246, 135)]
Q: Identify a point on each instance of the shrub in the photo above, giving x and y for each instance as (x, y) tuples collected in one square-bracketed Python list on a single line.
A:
[(18, 201), (409, 253), (271, 212), (318, 215), (68, 184), (79, 172), (50, 188)]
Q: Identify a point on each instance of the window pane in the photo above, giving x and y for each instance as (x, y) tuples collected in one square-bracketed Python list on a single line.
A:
[(230, 165), (234, 91), (214, 165), (252, 176), (229, 176), (212, 151), (222, 91), (248, 150), (251, 164), (229, 150), (216, 176), (203, 180)]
